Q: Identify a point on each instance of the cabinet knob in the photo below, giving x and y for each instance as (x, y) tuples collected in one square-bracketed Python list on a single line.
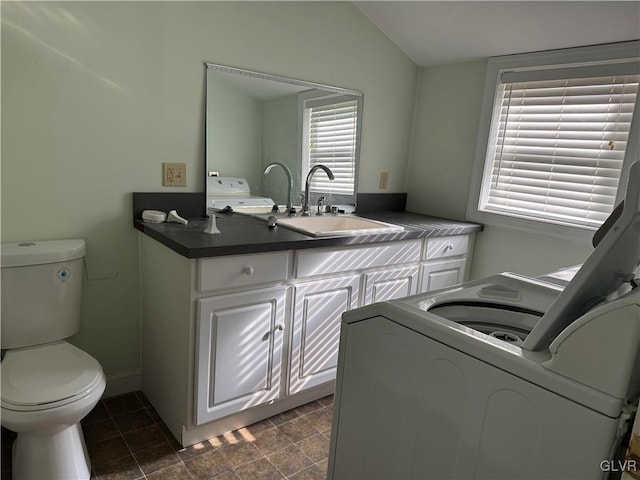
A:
[(449, 246), (248, 270), (280, 327)]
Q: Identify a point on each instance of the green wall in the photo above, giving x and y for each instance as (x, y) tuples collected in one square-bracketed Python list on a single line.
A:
[(96, 95), (234, 137), (280, 144)]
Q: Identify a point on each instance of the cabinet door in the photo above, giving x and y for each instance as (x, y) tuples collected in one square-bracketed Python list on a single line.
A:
[(239, 351), (317, 313), (390, 284), (443, 274)]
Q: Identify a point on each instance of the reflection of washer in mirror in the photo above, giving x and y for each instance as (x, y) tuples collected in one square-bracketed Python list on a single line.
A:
[(254, 119)]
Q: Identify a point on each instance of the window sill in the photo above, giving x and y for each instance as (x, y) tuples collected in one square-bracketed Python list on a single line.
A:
[(562, 232)]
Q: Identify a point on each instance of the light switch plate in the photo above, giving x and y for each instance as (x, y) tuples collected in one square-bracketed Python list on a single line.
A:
[(174, 174), (384, 180)]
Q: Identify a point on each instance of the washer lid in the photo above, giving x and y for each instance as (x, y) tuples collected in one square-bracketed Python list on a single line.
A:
[(612, 263), (47, 374)]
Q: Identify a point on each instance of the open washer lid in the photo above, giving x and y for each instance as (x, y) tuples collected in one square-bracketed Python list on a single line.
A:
[(611, 264), (47, 375)]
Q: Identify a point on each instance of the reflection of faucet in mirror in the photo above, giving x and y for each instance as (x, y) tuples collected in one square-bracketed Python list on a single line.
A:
[(255, 117), (314, 169), (289, 178)]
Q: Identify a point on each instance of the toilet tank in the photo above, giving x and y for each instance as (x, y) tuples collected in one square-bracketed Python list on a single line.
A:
[(41, 291)]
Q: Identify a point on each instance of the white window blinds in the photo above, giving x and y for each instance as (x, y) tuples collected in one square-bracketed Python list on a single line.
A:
[(558, 143), (331, 141)]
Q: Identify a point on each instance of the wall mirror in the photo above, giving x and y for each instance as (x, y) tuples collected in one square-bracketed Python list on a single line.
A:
[(254, 119)]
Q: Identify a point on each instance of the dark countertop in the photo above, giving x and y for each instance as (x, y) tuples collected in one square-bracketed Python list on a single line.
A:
[(242, 234)]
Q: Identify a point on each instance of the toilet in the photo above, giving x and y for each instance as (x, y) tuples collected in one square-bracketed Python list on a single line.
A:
[(48, 385)]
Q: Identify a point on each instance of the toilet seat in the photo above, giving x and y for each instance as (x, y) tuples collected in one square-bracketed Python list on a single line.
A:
[(47, 376)]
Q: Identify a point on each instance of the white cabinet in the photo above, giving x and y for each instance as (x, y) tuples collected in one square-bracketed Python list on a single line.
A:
[(239, 351), (318, 305), (317, 313), (445, 261), (391, 283), (442, 274), (228, 341)]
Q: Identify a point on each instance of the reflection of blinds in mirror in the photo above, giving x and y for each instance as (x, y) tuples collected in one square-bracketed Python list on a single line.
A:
[(559, 146), (332, 132)]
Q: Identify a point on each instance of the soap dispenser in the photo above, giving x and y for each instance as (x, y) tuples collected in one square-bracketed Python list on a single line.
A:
[(212, 228)]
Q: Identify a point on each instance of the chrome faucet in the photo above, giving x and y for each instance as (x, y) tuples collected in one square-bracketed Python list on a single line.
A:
[(314, 169), (289, 178)]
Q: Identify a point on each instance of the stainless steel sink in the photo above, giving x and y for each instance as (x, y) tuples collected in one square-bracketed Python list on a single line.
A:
[(332, 225)]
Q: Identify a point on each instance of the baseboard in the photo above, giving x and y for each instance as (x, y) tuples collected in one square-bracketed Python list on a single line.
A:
[(123, 382)]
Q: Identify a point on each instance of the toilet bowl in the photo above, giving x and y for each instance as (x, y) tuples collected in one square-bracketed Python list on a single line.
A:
[(47, 385), (46, 391)]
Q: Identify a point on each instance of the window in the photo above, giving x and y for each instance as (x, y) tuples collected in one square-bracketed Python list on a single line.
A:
[(554, 151), (330, 126)]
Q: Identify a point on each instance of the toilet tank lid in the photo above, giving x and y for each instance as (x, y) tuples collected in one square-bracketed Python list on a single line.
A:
[(21, 254)]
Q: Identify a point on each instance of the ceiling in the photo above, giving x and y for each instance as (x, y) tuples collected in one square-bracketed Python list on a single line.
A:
[(441, 32)]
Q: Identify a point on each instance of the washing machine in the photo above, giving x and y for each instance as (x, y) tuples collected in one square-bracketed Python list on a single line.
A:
[(505, 377), (233, 192)]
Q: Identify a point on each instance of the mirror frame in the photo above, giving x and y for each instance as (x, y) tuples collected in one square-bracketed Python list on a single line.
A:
[(307, 85)]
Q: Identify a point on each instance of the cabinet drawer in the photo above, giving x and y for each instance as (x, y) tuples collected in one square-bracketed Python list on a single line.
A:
[(242, 270), (443, 247), (322, 261)]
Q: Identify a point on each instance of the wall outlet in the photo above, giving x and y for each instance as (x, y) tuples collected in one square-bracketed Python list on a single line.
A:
[(384, 180), (174, 174)]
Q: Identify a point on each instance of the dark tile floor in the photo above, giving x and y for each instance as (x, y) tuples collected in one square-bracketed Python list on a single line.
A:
[(127, 440)]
